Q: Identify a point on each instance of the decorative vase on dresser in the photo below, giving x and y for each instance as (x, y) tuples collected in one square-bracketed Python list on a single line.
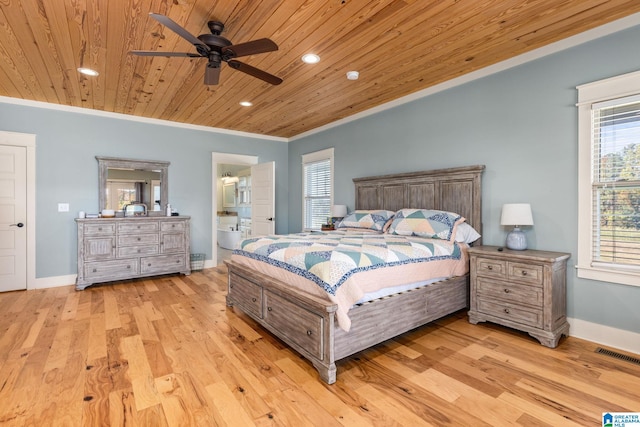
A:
[(525, 290), (125, 248)]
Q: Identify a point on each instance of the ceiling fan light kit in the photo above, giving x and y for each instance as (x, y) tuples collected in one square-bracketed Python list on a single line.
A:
[(217, 50)]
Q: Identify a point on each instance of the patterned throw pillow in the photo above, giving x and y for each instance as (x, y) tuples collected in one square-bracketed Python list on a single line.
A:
[(367, 219), (428, 223)]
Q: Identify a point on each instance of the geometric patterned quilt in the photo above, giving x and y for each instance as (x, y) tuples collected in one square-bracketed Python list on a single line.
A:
[(329, 259)]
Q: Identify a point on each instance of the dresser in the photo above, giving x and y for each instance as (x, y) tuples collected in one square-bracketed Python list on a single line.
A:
[(124, 248), (525, 290)]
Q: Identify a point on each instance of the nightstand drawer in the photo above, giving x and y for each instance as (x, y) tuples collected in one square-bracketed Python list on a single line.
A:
[(510, 292), (525, 273), (513, 312), (491, 267)]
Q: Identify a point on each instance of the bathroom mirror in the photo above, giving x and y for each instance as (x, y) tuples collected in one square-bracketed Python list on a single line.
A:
[(123, 181), (229, 195)]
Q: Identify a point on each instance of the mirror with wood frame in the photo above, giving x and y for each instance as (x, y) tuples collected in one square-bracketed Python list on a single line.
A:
[(122, 182)]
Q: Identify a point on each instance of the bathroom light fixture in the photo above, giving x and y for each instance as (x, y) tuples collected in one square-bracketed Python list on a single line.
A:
[(516, 214), (246, 103), (88, 71), (353, 75), (310, 58)]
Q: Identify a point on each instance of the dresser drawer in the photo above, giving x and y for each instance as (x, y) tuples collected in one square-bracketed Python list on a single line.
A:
[(246, 294), (528, 316), (138, 239), (100, 228), (129, 251), (168, 226), (140, 227), (491, 267), (510, 292), (301, 327), (525, 273), (110, 270), (162, 264)]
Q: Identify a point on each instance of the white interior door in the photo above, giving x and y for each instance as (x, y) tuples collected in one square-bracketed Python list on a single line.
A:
[(13, 215), (263, 200)]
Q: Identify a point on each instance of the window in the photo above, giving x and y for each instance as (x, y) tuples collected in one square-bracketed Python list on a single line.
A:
[(609, 180), (317, 188)]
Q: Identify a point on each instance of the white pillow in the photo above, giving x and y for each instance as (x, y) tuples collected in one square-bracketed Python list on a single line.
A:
[(466, 233)]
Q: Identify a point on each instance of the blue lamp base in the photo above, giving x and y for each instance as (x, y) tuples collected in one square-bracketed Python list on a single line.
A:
[(516, 240)]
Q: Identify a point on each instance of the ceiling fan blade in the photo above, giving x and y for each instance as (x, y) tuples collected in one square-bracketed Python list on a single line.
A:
[(173, 26), (154, 53), (255, 72), (249, 48), (211, 75)]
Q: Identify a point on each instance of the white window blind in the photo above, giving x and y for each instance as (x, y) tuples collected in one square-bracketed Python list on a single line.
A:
[(615, 134), (317, 175)]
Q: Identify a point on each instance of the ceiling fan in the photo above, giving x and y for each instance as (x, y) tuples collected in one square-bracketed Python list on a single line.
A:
[(217, 49)]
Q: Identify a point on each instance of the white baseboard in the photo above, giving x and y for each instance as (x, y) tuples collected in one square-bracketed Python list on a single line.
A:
[(56, 281), (605, 335), (53, 282)]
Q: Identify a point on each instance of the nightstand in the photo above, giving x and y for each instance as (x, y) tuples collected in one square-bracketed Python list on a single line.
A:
[(525, 290)]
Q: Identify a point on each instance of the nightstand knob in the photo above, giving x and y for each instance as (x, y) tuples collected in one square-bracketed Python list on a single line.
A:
[(506, 310), (524, 273), (490, 267), (506, 291)]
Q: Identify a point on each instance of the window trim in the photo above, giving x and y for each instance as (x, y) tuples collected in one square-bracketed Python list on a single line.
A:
[(316, 156), (622, 86)]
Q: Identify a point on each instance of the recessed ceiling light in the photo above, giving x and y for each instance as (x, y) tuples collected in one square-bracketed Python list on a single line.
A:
[(246, 103), (310, 58), (88, 71)]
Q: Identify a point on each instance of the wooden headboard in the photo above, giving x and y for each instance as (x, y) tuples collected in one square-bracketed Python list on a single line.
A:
[(455, 190)]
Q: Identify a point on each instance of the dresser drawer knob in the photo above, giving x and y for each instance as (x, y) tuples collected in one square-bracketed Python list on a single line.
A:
[(309, 333), (269, 309), (230, 286), (490, 267), (129, 267), (99, 228), (149, 265), (506, 291), (139, 239), (506, 310), (95, 270), (524, 273), (254, 299)]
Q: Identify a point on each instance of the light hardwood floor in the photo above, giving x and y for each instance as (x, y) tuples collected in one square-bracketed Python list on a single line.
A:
[(167, 351)]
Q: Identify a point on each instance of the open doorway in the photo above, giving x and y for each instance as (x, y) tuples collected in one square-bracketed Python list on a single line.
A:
[(235, 162)]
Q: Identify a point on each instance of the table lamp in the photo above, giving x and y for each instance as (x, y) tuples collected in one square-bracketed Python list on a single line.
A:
[(516, 214), (337, 213)]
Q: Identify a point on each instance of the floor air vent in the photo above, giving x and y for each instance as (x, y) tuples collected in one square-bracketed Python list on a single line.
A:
[(618, 355)]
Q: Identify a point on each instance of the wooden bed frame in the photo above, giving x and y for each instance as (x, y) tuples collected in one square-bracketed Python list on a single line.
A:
[(308, 324)]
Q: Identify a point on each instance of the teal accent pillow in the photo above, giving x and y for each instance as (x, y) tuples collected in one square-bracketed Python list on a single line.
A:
[(366, 219), (428, 223)]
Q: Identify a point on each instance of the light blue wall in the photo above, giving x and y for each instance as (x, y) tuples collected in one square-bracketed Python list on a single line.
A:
[(67, 171), (520, 123)]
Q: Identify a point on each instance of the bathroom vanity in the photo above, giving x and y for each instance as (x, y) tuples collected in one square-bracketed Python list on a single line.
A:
[(125, 248)]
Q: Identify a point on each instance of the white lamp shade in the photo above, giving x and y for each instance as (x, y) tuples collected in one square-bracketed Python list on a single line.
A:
[(338, 211), (516, 214)]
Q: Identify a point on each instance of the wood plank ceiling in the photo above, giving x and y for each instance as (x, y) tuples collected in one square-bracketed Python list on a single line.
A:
[(399, 47)]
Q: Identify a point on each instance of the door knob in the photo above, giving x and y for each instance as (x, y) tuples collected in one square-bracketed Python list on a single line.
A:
[(19, 225), (270, 219)]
